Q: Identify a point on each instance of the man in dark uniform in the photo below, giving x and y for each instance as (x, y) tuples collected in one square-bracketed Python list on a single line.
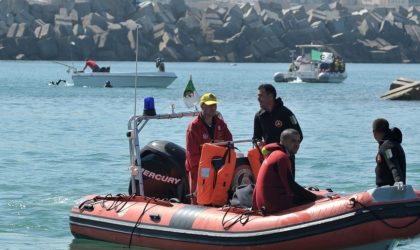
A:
[(390, 160), (273, 118), (275, 189)]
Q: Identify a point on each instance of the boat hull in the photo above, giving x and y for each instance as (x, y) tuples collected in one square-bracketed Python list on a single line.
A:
[(363, 219), (323, 77), (124, 80)]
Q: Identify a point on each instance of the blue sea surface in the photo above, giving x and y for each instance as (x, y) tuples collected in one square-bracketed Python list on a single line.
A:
[(60, 143)]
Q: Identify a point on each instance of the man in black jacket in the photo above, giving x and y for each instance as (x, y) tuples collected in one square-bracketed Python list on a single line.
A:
[(390, 160), (273, 118)]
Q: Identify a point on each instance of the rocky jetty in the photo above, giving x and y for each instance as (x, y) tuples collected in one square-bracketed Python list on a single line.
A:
[(263, 32)]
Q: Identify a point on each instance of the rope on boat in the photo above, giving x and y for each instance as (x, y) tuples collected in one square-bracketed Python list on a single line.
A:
[(118, 204), (139, 220), (242, 218), (383, 220)]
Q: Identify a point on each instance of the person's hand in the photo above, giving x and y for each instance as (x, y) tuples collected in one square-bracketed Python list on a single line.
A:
[(400, 185), (134, 170)]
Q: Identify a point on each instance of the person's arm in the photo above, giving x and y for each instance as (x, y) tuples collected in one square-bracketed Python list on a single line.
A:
[(292, 122), (391, 158), (193, 148), (228, 134), (257, 128), (301, 194)]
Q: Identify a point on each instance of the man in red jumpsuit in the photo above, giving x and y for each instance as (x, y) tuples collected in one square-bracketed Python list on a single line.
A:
[(92, 65), (275, 188), (207, 127)]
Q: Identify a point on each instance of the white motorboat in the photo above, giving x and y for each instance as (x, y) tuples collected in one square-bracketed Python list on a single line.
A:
[(124, 80), (316, 63)]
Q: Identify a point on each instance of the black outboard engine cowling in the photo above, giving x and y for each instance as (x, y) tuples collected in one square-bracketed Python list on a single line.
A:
[(163, 168)]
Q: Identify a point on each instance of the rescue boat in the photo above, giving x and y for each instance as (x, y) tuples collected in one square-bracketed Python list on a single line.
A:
[(316, 64), (156, 213)]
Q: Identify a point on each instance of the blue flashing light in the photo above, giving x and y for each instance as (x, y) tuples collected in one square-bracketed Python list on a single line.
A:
[(149, 106)]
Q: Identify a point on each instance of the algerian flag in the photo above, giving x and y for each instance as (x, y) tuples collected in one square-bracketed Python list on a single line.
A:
[(315, 55), (190, 94), (327, 57)]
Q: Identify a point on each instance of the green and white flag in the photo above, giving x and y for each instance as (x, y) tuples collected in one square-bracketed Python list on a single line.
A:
[(315, 55), (190, 94), (327, 57)]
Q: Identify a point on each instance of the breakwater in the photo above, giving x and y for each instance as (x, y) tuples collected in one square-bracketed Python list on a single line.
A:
[(262, 32)]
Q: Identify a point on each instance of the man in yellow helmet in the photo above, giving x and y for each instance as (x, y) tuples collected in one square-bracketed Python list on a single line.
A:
[(207, 127)]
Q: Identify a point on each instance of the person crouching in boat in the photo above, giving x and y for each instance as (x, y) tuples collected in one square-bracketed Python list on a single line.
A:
[(207, 127), (92, 65), (275, 188)]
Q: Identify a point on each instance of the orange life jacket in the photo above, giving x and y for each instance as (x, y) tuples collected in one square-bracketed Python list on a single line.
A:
[(255, 158), (213, 182)]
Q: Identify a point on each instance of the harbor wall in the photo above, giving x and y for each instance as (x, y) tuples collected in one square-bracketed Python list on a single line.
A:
[(265, 31)]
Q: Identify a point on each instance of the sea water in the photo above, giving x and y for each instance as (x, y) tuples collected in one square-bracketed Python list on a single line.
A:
[(60, 143)]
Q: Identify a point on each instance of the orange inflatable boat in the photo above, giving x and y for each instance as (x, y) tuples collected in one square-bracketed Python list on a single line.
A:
[(372, 219), (375, 218)]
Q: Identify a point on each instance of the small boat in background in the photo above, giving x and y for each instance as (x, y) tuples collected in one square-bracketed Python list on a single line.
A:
[(105, 78), (403, 89), (124, 80), (316, 63)]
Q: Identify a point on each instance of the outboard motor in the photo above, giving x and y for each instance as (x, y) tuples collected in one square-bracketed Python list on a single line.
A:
[(163, 168)]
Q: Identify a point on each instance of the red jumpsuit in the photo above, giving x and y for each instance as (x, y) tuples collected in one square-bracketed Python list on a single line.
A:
[(92, 64), (197, 134), (275, 188)]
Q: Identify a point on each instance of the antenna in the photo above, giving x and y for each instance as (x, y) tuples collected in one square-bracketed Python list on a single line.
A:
[(135, 77), (72, 44), (135, 139), (292, 54)]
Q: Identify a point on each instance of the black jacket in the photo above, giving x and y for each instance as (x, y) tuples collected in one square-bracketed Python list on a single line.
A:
[(269, 125), (390, 160)]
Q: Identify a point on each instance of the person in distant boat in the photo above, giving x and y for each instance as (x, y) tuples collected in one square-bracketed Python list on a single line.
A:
[(390, 159), (207, 127), (302, 59), (273, 118), (160, 64), (324, 66), (92, 65), (275, 188)]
